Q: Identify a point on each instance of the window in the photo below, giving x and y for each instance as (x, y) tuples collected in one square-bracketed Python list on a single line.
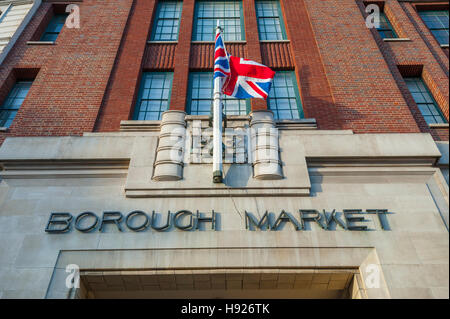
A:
[(385, 30), (201, 88), (284, 100), (437, 22), (54, 27), (425, 101), (167, 22), (228, 12), (13, 102), (270, 21), (154, 95)]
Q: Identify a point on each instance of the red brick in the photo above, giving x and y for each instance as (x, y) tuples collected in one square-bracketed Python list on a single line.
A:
[(348, 77)]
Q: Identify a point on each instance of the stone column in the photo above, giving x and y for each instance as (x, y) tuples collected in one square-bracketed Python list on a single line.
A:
[(170, 152), (264, 146)]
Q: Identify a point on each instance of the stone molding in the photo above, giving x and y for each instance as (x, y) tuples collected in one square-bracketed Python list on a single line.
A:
[(135, 156), (265, 146), (170, 151), (249, 260)]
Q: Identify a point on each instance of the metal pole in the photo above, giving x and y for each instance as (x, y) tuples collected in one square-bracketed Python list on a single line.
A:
[(217, 127)]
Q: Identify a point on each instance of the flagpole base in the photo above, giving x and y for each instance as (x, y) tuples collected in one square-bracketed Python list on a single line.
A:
[(217, 177)]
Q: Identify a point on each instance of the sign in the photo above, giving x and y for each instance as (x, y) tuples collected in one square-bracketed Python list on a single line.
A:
[(185, 220)]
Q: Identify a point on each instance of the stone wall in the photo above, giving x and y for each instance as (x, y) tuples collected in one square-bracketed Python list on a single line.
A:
[(113, 172)]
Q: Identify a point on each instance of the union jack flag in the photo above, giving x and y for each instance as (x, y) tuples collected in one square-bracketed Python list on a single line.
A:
[(243, 78), (221, 63), (248, 79)]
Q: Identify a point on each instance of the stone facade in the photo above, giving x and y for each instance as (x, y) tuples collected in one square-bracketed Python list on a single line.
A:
[(349, 202), (322, 170)]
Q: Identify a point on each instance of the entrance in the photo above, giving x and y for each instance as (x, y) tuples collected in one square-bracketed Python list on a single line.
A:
[(221, 283)]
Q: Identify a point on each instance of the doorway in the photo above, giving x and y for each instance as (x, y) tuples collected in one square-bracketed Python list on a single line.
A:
[(220, 283)]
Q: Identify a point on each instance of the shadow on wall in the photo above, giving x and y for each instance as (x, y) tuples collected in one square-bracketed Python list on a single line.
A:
[(328, 114), (316, 185), (238, 175)]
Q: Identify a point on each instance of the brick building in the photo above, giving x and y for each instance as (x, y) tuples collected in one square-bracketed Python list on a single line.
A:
[(346, 76), (362, 115)]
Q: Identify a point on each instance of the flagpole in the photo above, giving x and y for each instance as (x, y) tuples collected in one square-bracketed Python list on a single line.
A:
[(217, 127)]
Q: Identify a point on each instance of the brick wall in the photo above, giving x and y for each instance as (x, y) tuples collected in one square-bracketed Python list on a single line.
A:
[(422, 50), (364, 90), (182, 57), (67, 93), (349, 77), (123, 86)]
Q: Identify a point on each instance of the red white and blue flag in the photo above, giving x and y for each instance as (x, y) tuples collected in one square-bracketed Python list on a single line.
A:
[(244, 78), (248, 79), (221, 62)]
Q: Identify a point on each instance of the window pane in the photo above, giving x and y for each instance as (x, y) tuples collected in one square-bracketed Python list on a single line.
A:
[(166, 25), (430, 119), (269, 20), (418, 97), (13, 102), (385, 30), (424, 109), (437, 22), (425, 101), (283, 99), (201, 94), (54, 27), (207, 14), (384, 24), (441, 36), (154, 95), (387, 34)]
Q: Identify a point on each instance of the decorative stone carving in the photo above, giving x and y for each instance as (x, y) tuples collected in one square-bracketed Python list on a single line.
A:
[(170, 151), (200, 144), (264, 146)]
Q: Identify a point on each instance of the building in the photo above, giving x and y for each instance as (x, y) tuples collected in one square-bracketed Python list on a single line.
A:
[(336, 187), (14, 16)]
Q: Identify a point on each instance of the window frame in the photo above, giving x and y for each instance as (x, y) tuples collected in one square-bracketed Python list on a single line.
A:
[(137, 105), (431, 29), (189, 95), (196, 18), (50, 23), (298, 98), (157, 18), (10, 109), (389, 24), (280, 17), (436, 105)]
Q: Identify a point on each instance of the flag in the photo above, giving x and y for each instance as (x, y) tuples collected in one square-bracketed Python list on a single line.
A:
[(243, 78), (221, 62), (248, 79)]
